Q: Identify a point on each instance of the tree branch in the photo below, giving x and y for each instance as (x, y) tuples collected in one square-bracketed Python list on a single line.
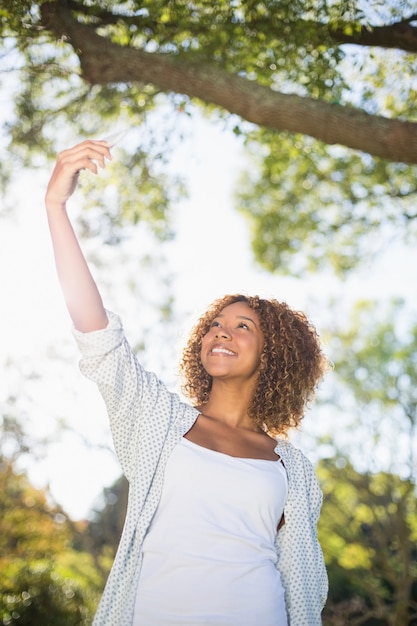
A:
[(103, 62), (400, 35)]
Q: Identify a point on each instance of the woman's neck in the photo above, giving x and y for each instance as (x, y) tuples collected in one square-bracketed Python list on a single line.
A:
[(231, 408)]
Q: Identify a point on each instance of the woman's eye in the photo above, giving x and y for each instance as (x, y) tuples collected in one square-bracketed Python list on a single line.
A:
[(214, 324), (243, 325)]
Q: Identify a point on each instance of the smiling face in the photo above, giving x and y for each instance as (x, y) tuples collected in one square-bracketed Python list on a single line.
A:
[(232, 347)]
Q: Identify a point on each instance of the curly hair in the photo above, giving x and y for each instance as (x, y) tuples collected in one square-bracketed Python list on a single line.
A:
[(292, 363)]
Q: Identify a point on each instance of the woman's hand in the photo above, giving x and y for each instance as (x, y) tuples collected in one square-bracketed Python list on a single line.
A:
[(88, 155)]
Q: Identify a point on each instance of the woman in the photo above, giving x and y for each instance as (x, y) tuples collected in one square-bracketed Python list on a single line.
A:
[(222, 513)]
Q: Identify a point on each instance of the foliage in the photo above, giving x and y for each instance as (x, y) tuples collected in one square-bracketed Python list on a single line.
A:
[(45, 579), (375, 358), (368, 530), (84, 67), (369, 523), (310, 206), (36, 594), (105, 530)]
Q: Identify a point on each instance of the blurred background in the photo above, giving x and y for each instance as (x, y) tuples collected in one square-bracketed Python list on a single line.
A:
[(270, 149)]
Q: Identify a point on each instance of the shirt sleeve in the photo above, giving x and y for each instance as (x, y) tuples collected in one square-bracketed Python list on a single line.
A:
[(315, 499), (138, 404), (300, 558)]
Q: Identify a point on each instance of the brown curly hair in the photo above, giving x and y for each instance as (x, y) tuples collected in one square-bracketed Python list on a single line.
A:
[(292, 363)]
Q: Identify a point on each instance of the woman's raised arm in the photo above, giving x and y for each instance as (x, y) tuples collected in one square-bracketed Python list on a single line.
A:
[(81, 295)]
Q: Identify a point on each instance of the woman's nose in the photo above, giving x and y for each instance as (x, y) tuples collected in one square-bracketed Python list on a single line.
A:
[(222, 333)]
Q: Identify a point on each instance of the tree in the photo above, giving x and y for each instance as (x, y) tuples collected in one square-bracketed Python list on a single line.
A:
[(368, 523), (323, 71), (375, 359), (368, 530), (45, 578), (105, 529), (201, 51)]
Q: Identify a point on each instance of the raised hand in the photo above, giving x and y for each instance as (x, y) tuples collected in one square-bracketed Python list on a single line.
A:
[(88, 155)]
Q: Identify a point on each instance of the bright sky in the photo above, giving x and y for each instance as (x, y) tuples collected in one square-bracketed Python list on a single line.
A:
[(211, 258)]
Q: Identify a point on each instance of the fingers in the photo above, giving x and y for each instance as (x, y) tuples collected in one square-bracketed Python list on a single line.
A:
[(86, 155)]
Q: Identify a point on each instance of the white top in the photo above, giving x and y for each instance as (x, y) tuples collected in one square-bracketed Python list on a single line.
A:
[(209, 556)]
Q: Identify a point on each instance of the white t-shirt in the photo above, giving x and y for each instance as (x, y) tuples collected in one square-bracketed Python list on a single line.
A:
[(209, 555)]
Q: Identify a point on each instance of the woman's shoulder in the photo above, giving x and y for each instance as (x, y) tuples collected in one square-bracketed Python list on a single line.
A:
[(301, 474), (287, 449), (292, 457)]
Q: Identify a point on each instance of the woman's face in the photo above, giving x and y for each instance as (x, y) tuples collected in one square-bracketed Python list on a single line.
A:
[(232, 347)]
